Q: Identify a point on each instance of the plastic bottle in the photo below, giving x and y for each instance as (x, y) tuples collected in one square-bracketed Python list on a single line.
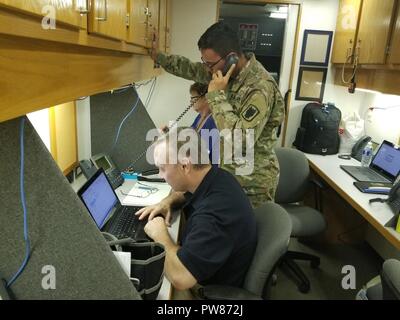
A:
[(366, 155)]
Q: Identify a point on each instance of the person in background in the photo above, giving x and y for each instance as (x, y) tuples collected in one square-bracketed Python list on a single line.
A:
[(220, 236), (241, 95)]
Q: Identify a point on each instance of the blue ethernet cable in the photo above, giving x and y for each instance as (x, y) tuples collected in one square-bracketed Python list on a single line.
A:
[(22, 192)]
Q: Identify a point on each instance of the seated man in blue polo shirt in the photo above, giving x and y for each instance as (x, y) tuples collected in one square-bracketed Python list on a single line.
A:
[(219, 237)]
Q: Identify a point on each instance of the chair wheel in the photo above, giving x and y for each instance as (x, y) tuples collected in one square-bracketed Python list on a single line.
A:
[(304, 288), (315, 263)]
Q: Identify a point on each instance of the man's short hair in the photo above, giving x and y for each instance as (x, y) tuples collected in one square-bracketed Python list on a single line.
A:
[(194, 146), (221, 38), (200, 88)]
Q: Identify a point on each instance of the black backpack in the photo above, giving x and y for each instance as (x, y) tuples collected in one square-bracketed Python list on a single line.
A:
[(319, 129)]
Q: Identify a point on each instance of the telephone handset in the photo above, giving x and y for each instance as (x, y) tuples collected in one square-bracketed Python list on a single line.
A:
[(230, 60), (394, 198), (102, 160), (357, 150)]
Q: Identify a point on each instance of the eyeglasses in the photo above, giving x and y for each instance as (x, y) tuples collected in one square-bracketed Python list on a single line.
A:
[(211, 64), (194, 99)]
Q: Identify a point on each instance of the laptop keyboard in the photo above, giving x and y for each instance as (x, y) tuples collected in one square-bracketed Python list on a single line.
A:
[(368, 174), (129, 225)]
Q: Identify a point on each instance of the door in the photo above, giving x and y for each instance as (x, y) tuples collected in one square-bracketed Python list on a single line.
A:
[(394, 52), (153, 15), (345, 34), (65, 11), (374, 30), (108, 18), (137, 30)]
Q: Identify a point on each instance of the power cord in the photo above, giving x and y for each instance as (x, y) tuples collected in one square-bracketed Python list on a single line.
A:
[(22, 192)]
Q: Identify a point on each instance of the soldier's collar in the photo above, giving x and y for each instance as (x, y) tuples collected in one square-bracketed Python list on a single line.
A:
[(243, 73)]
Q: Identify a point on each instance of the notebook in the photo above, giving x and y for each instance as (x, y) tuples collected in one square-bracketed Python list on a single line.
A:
[(107, 212), (384, 167)]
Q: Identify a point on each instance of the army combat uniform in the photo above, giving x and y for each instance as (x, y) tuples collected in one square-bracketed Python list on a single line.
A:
[(251, 101)]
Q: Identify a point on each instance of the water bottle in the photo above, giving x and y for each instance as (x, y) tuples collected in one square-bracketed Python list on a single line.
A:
[(366, 155)]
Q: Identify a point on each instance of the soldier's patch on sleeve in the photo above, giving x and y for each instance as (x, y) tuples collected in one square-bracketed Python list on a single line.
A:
[(250, 112)]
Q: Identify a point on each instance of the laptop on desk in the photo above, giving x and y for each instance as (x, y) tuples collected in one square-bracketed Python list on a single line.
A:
[(106, 210), (384, 167)]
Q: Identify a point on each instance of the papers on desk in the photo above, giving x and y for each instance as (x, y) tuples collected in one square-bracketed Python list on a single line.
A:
[(144, 193)]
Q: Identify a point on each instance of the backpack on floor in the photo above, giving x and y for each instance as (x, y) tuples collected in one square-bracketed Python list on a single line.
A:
[(319, 129)]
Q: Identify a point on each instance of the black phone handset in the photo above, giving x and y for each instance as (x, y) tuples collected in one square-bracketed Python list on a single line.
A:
[(394, 198), (231, 59), (357, 150)]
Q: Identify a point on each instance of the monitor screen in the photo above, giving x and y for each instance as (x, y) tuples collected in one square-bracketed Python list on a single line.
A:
[(99, 198), (102, 162), (388, 159)]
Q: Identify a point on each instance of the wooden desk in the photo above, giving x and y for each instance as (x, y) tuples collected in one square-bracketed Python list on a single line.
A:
[(377, 214)]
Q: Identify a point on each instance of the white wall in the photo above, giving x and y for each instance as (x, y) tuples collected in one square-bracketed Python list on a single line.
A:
[(41, 123), (190, 18)]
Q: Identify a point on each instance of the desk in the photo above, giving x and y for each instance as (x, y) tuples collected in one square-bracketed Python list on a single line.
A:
[(377, 214), (166, 287)]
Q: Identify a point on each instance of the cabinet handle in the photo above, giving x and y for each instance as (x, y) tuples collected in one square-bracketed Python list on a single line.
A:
[(105, 13), (147, 12), (83, 9)]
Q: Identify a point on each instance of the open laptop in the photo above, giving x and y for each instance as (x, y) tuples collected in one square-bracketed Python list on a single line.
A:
[(106, 210), (384, 167)]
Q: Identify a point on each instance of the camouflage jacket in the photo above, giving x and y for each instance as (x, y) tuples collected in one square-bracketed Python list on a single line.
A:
[(252, 100)]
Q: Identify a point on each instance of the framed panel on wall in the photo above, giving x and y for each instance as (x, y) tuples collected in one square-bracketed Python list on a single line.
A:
[(316, 48), (311, 84)]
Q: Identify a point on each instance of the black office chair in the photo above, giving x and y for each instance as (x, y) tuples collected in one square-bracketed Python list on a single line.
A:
[(273, 233), (306, 221)]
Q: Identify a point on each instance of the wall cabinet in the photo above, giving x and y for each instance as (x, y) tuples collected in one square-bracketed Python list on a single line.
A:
[(394, 49), (165, 26), (362, 31), (143, 19), (345, 34), (108, 18), (66, 11)]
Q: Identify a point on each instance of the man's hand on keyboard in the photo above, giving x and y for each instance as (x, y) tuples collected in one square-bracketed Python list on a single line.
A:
[(160, 209), (157, 230)]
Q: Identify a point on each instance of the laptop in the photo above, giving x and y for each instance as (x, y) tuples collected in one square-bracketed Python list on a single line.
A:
[(107, 212), (384, 167)]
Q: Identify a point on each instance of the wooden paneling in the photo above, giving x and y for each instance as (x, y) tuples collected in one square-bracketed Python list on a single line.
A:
[(385, 81), (63, 135), (394, 55), (65, 10), (345, 34), (137, 31), (37, 74), (21, 25), (374, 30), (108, 18)]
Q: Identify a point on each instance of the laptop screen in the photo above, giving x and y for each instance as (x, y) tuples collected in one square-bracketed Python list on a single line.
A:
[(387, 159), (99, 198)]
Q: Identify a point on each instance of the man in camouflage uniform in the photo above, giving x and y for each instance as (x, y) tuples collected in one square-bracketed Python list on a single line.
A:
[(246, 97)]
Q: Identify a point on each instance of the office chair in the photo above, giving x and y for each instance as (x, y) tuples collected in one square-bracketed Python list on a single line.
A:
[(306, 221), (273, 233), (388, 288)]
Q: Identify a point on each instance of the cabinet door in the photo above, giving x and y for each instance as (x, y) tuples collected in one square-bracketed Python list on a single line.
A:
[(153, 15), (162, 29), (345, 34), (108, 18), (394, 55), (374, 30), (137, 30), (66, 11)]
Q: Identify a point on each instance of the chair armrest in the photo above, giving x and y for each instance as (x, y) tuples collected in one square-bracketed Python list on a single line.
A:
[(218, 292), (390, 276)]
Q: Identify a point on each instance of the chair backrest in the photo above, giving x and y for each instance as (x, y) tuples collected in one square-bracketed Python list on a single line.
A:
[(273, 233), (390, 277), (293, 177)]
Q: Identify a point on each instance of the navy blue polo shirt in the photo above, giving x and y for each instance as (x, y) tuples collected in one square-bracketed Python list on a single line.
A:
[(220, 236)]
